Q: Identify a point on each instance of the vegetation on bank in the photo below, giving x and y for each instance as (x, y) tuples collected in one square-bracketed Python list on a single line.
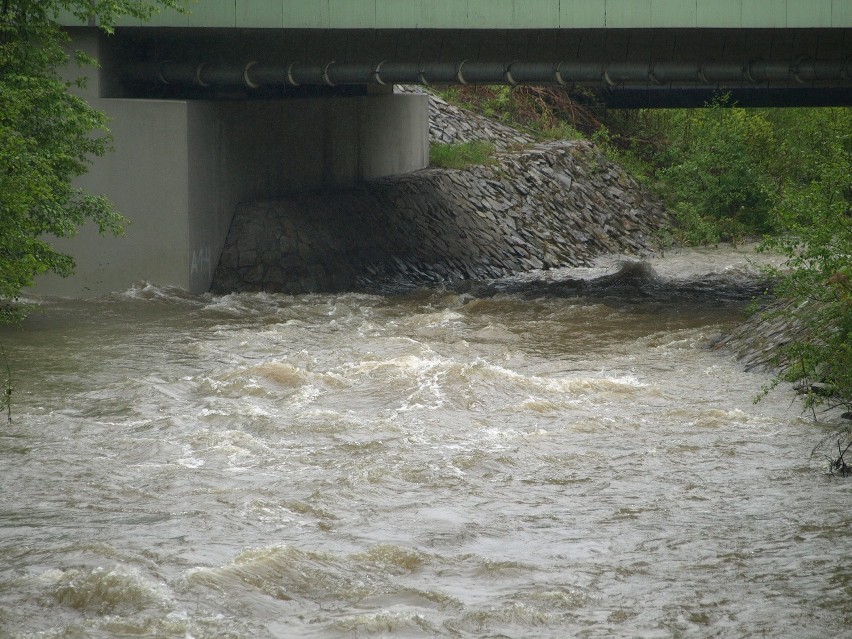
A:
[(785, 176), (728, 173), (545, 113), (461, 155)]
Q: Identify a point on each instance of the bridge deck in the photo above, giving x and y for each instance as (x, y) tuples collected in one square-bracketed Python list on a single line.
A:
[(510, 14), (272, 48)]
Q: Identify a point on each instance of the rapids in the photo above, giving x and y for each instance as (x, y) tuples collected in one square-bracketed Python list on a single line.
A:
[(558, 454)]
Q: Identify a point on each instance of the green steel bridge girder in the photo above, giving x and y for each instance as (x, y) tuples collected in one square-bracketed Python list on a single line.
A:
[(506, 14), (266, 48)]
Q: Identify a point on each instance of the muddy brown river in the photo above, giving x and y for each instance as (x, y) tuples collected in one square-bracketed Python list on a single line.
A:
[(554, 455)]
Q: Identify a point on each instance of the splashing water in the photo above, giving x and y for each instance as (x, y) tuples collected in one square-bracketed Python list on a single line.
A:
[(525, 458)]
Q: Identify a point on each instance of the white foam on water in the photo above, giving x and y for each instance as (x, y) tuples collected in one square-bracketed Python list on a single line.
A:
[(189, 460), (107, 589)]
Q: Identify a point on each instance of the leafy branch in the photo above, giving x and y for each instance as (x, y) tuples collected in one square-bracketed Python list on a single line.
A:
[(836, 462), (48, 136)]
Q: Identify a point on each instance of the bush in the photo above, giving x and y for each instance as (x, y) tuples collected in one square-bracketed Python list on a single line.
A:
[(815, 211), (716, 172), (48, 137)]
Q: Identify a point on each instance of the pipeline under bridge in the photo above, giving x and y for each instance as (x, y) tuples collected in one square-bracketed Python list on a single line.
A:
[(809, 81), (771, 65)]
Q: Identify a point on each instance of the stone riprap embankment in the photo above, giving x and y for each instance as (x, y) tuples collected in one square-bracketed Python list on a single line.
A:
[(554, 204), (449, 124)]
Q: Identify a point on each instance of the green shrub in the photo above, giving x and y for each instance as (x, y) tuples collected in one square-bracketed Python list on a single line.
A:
[(716, 172), (815, 211), (559, 131)]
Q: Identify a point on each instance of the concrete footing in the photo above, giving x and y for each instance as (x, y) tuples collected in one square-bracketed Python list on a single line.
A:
[(180, 168)]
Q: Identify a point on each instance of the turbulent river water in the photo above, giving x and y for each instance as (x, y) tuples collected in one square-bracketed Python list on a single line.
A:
[(554, 455)]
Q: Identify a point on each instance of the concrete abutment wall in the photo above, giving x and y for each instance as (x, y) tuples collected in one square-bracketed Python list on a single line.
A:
[(180, 168)]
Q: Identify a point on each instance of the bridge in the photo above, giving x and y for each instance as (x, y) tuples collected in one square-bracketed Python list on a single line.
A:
[(253, 99)]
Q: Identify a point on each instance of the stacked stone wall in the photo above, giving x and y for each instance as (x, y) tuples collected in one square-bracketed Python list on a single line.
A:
[(554, 204), (449, 124)]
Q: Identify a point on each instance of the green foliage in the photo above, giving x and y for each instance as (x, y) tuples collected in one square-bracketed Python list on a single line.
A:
[(815, 211), (47, 138), (560, 131), (716, 173), (501, 105), (462, 155), (636, 163)]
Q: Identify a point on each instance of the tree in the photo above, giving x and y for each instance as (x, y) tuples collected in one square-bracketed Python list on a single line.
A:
[(48, 137), (716, 171)]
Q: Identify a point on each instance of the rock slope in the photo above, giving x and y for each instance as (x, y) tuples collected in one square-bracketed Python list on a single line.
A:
[(449, 124), (553, 204)]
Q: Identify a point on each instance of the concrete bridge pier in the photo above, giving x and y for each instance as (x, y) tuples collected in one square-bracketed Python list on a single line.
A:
[(180, 167)]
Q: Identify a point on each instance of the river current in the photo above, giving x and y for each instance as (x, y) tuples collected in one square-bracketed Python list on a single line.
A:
[(554, 455)]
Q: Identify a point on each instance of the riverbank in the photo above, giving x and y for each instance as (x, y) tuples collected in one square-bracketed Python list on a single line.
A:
[(536, 206), (761, 341)]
